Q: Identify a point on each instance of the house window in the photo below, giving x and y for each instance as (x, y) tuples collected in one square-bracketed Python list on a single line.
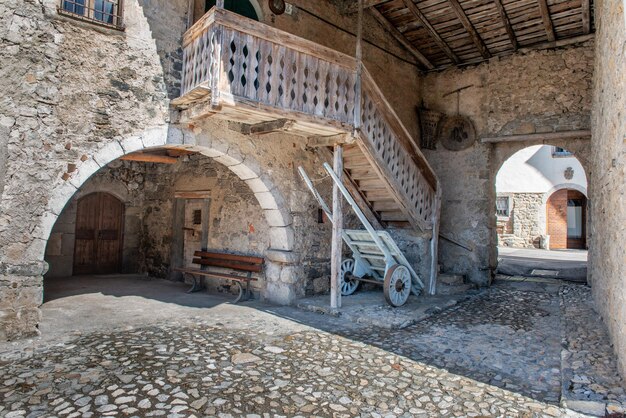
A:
[(560, 152), (502, 206), (103, 12)]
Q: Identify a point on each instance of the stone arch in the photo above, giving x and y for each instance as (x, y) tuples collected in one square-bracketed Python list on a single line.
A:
[(224, 152)]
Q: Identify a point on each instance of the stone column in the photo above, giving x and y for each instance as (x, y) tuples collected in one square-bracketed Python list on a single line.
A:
[(282, 273)]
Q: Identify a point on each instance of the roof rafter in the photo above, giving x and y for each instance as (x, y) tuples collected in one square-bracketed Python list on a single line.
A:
[(547, 21), (435, 35), (401, 38), (506, 23), (354, 7), (586, 16), (460, 13)]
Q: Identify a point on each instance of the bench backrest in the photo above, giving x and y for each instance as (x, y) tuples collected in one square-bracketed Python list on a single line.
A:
[(231, 261)]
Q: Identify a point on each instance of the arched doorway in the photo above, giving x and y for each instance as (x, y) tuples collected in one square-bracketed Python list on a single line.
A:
[(566, 216), (98, 234)]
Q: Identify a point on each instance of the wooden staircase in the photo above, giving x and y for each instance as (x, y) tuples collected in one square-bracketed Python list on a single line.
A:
[(372, 189), (244, 71)]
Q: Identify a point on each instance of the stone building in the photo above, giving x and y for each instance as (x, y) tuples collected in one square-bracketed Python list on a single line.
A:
[(541, 199), (189, 128)]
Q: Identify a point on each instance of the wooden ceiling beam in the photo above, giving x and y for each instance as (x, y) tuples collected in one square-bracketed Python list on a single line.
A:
[(460, 13), (401, 38), (586, 16), (354, 7), (547, 21), (507, 24), (431, 30), (149, 158)]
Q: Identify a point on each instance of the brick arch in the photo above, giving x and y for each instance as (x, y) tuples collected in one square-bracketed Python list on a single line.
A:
[(245, 167)]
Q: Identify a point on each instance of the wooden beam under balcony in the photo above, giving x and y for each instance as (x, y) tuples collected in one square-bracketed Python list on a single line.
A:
[(262, 128)]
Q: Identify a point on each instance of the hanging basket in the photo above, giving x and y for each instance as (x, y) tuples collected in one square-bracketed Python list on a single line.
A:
[(429, 121)]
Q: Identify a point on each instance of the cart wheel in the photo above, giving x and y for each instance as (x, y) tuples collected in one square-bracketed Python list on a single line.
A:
[(348, 284), (397, 285)]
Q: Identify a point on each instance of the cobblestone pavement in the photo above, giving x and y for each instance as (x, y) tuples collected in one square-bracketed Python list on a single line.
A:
[(497, 354), (505, 337), (202, 370), (589, 372)]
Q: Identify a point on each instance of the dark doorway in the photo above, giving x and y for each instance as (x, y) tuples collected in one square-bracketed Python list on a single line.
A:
[(566, 217), (241, 7), (99, 234)]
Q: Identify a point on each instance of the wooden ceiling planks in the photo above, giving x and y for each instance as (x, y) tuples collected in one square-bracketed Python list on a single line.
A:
[(459, 32)]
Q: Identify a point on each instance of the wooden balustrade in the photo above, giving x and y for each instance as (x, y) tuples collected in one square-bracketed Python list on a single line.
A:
[(254, 73)]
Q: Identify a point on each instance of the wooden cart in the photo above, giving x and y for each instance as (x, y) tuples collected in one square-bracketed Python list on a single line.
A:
[(376, 257)]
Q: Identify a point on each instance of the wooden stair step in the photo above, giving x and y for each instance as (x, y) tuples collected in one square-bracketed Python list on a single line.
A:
[(393, 216), (375, 184), (385, 205), (378, 194)]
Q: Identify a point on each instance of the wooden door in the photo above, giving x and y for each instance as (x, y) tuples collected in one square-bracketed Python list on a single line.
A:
[(99, 234), (557, 219)]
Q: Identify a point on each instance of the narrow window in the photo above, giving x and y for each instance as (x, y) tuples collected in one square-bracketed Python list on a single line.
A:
[(502, 206), (560, 152)]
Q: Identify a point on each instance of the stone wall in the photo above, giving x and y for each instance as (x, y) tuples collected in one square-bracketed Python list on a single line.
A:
[(523, 221), (607, 256), (556, 95)]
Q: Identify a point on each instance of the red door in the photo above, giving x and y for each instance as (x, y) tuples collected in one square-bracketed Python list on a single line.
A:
[(99, 234)]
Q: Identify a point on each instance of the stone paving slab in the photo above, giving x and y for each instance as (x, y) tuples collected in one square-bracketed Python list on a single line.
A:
[(205, 370)]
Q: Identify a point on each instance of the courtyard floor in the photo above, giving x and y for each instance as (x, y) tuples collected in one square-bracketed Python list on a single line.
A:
[(131, 346)]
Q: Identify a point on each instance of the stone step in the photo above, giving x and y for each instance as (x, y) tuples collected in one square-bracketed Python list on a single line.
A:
[(450, 279), (444, 289)]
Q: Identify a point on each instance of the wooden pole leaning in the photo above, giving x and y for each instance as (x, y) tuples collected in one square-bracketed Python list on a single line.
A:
[(337, 236)]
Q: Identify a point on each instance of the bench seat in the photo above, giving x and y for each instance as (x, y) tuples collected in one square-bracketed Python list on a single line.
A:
[(237, 263)]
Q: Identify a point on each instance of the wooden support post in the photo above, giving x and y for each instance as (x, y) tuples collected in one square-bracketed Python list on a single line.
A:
[(359, 66), (337, 239), (434, 243)]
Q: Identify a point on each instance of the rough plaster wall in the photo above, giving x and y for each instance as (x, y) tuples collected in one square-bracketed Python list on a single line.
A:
[(607, 257), (556, 95)]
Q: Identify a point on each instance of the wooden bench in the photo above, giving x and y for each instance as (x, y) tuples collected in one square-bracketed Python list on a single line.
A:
[(242, 263)]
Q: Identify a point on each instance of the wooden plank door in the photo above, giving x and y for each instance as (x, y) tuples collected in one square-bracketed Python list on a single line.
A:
[(557, 219), (99, 234)]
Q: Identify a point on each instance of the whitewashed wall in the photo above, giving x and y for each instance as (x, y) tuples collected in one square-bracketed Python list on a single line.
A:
[(534, 170)]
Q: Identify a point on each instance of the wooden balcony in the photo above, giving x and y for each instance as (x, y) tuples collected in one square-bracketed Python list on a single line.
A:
[(242, 70)]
